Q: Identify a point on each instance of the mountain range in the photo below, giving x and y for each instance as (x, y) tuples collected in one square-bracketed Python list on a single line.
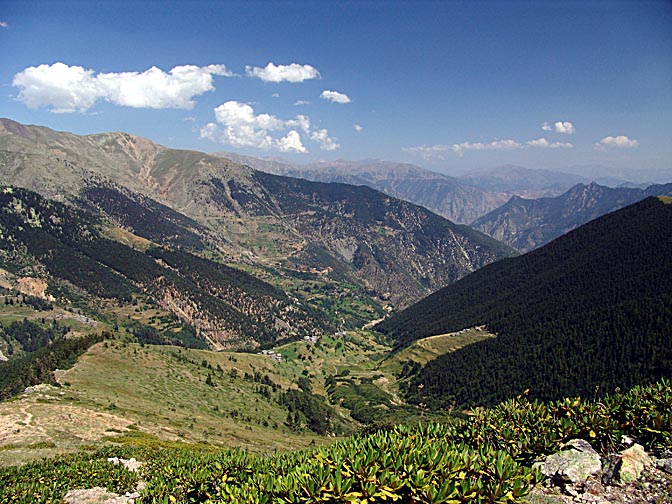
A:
[(396, 250), (526, 224), (442, 194), (465, 199), (524, 182), (205, 304), (124, 264)]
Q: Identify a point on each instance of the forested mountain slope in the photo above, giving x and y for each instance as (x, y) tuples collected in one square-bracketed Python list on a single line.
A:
[(586, 313), (218, 306), (395, 246)]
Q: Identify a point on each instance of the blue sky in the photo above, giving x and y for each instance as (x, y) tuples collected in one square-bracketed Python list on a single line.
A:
[(451, 86)]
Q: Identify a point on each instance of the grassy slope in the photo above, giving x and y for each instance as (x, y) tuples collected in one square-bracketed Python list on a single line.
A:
[(158, 390), (427, 349), (120, 388)]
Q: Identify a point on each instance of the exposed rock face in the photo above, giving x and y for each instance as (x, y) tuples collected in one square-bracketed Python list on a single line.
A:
[(627, 477), (33, 286), (98, 495), (130, 464), (633, 462), (626, 466), (665, 465), (573, 465)]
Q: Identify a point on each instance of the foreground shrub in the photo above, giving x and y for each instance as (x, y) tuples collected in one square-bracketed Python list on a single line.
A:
[(485, 457)]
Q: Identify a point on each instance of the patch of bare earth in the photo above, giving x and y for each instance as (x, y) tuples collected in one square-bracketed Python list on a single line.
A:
[(97, 495), (42, 416)]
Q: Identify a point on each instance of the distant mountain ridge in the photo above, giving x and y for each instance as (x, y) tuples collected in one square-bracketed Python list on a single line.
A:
[(524, 182), (613, 177), (538, 183), (465, 199), (245, 216), (527, 224), (592, 310), (442, 194)]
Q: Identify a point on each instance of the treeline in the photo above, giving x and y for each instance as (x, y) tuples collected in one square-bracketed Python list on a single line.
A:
[(29, 335), (145, 217), (184, 336), (60, 238), (367, 403), (312, 411), (256, 305), (589, 312), (35, 302), (38, 366), (590, 354)]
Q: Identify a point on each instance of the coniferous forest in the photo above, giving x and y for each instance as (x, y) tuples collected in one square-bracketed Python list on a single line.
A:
[(583, 315)]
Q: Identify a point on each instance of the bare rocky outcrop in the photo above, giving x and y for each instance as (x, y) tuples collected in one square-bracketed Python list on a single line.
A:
[(629, 476), (575, 464), (31, 286), (98, 495)]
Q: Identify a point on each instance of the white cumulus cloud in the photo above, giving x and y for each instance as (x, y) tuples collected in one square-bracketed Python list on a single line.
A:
[(564, 127), (292, 142), (358, 127), (63, 88), (298, 103), (508, 144), (428, 152), (241, 127), (617, 142), (209, 131), (4, 24), (280, 73), (323, 139), (300, 121), (238, 125), (545, 144), (335, 96)]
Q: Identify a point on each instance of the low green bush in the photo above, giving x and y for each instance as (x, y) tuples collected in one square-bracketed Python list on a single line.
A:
[(483, 457)]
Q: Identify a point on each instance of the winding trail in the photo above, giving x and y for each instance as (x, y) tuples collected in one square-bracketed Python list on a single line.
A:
[(28, 421)]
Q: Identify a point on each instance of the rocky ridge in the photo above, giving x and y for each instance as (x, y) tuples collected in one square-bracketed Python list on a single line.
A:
[(447, 196), (526, 224)]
